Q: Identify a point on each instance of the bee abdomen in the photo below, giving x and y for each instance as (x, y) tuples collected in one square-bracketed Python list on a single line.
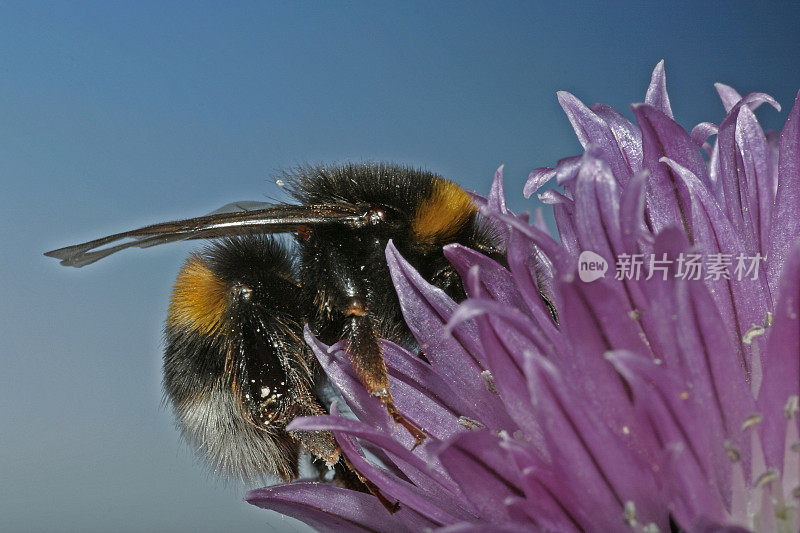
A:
[(234, 363), (231, 446)]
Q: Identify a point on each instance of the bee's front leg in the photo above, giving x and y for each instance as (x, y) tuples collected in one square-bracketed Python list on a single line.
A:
[(365, 355)]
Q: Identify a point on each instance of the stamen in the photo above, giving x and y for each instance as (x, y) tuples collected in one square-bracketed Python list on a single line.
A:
[(757, 369), (758, 462), (791, 407), (767, 477), (752, 420), (767, 521), (470, 423), (489, 379), (791, 460), (740, 501), (629, 514), (734, 454), (754, 332)]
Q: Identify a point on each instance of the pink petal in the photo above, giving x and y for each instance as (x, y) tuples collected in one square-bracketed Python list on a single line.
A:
[(657, 91), (785, 225)]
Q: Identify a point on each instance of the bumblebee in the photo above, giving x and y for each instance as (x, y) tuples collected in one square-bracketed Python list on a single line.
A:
[(236, 368)]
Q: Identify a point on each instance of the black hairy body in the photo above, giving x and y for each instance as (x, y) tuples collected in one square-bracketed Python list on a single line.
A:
[(236, 369), (340, 264)]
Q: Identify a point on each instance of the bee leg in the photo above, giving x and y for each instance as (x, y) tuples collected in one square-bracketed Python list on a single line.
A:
[(320, 443), (365, 355), (345, 475), (391, 506)]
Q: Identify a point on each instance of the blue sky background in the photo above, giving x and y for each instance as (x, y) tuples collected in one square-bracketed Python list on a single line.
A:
[(115, 115)]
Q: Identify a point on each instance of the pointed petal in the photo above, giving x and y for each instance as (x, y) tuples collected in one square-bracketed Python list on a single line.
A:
[(458, 358), (627, 135), (484, 472), (751, 144), (631, 213), (596, 320), (497, 202), (422, 405), (334, 362), (597, 209), (550, 503), (565, 223), (562, 262), (710, 360), (597, 214), (547, 509), (715, 375), (586, 124), (329, 508), (426, 308), (585, 452), (741, 302), (593, 130), (732, 177), (424, 396), (666, 204), (537, 179), (435, 508), (786, 218), (657, 91), (729, 96), (496, 280), (497, 198), (702, 132), (422, 468), (505, 343), (533, 273), (781, 362), (676, 418)]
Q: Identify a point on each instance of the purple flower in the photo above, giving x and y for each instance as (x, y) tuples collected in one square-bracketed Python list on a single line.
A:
[(666, 392)]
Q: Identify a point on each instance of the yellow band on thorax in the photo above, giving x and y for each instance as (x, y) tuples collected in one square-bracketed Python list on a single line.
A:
[(442, 214)]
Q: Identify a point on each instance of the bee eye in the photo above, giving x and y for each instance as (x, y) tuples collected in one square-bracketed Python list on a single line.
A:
[(385, 216)]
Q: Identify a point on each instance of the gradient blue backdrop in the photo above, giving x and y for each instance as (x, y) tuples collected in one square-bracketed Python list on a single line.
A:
[(114, 115)]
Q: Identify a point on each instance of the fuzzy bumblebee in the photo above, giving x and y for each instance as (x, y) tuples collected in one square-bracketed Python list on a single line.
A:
[(236, 369)]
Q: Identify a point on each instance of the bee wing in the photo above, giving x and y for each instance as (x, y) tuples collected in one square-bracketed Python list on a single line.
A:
[(275, 219), (242, 205)]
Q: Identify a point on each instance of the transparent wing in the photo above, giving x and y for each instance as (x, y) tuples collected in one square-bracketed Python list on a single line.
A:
[(243, 205), (274, 219)]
